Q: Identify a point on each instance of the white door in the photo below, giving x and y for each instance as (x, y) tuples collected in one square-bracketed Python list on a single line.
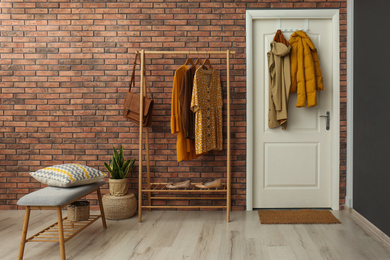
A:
[(292, 168)]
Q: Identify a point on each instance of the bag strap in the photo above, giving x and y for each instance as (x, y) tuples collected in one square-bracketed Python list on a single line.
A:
[(132, 81), (148, 87)]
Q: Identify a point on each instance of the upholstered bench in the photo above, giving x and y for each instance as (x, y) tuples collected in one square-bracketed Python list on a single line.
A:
[(55, 198)]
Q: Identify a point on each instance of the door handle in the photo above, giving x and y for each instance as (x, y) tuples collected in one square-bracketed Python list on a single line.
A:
[(327, 116)]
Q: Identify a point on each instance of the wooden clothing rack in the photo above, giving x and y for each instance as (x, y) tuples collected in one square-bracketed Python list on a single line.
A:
[(155, 190)]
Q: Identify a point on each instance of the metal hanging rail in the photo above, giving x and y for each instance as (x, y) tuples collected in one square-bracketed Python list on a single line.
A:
[(149, 190)]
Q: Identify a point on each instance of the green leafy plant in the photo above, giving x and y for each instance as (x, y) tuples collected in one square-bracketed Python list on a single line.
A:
[(118, 167)]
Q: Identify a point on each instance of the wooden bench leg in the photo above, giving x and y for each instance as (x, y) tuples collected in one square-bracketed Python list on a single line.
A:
[(101, 208), (61, 233), (24, 232)]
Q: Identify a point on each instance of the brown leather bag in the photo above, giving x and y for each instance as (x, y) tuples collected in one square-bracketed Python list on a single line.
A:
[(131, 105)]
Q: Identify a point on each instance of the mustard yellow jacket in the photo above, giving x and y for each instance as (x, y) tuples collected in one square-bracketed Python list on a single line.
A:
[(306, 77)]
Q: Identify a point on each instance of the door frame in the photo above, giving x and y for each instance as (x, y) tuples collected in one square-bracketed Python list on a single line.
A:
[(350, 52), (332, 14)]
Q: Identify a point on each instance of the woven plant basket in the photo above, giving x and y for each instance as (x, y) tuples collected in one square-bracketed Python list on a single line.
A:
[(78, 211), (118, 187)]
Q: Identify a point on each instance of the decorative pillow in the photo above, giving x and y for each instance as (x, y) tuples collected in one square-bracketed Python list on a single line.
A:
[(67, 175)]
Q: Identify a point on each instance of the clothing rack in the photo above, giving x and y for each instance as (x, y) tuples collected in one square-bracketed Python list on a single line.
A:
[(159, 188)]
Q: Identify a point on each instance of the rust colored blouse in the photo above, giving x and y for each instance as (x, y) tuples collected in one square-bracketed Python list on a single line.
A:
[(280, 38)]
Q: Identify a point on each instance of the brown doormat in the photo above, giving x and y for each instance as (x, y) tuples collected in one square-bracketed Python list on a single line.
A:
[(302, 216)]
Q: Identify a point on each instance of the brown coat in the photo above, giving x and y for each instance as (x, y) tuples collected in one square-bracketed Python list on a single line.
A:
[(279, 84), (188, 117)]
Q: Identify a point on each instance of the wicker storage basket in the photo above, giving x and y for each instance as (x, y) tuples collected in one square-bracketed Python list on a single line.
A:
[(119, 207), (78, 211)]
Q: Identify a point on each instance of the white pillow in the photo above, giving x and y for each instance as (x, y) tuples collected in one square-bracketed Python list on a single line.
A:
[(67, 175)]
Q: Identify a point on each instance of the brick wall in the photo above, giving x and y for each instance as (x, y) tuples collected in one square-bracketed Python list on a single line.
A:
[(65, 71)]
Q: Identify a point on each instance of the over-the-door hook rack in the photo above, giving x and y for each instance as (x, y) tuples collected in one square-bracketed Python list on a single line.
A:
[(305, 28)]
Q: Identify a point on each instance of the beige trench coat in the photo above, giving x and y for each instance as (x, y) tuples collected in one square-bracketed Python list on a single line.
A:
[(279, 84)]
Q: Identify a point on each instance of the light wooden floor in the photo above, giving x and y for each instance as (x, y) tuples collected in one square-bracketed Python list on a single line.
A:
[(195, 235)]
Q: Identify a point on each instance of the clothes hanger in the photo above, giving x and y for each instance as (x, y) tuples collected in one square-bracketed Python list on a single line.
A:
[(189, 61), (207, 61), (198, 61)]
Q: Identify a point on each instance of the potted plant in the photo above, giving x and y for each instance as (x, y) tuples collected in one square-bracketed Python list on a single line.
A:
[(119, 169)]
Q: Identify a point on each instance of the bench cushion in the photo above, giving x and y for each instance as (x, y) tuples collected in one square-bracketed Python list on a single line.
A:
[(56, 196)]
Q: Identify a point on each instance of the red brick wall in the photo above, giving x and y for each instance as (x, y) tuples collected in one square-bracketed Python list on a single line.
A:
[(65, 70)]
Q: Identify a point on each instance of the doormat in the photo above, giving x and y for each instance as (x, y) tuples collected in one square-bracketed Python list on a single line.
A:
[(302, 216)]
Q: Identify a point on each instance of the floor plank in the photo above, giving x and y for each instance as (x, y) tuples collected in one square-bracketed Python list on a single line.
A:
[(195, 235)]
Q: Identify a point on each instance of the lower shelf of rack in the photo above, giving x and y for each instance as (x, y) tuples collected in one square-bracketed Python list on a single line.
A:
[(159, 191), (161, 188), (184, 207), (187, 198)]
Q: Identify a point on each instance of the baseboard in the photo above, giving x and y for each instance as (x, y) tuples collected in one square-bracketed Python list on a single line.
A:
[(368, 226)]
